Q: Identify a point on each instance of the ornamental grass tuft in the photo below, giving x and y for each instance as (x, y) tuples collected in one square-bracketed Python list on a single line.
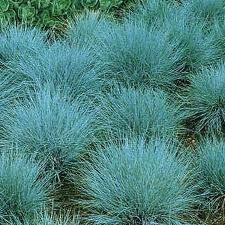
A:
[(206, 100), (50, 127), (138, 183), (145, 113)]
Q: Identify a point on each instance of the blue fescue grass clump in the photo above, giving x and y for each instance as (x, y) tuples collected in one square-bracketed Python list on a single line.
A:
[(23, 189), (206, 100), (137, 183), (211, 165), (196, 48), (205, 11), (132, 56), (11, 90), (20, 42), (45, 218), (58, 220), (69, 70), (217, 35), (153, 12), (86, 29), (50, 127), (141, 112)]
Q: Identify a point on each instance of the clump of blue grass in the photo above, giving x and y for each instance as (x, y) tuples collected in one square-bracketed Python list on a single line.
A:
[(49, 219), (211, 166), (86, 29), (133, 56), (205, 11), (46, 219), (153, 13), (206, 100), (196, 48), (20, 42), (48, 126), (24, 191), (66, 69), (11, 90), (217, 35), (141, 113), (137, 183)]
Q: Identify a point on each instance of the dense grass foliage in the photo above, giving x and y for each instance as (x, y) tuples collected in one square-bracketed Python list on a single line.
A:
[(117, 121), (23, 192), (133, 56), (10, 91), (196, 49), (20, 42), (70, 70), (148, 113), (51, 128), (210, 162), (216, 35), (87, 29), (154, 12), (206, 11), (138, 184), (205, 102), (49, 219)]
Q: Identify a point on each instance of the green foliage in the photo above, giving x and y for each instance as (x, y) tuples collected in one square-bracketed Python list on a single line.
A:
[(132, 56), (147, 113), (134, 183), (53, 129), (89, 3), (69, 70), (110, 6), (206, 99), (211, 166), (23, 189), (44, 13), (53, 14)]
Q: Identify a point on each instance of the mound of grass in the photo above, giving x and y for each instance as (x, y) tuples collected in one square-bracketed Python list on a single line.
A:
[(217, 35), (153, 12), (211, 165), (132, 56), (205, 11), (134, 183), (52, 128), (206, 99), (23, 189), (196, 48), (10, 91), (141, 113), (69, 70), (20, 42), (86, 29), (52, 219)]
